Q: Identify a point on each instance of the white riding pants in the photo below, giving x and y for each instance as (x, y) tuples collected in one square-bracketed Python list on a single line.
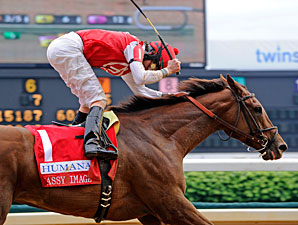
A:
[(65, 54)]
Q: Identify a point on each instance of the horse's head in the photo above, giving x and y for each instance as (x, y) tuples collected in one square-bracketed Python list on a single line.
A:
[(252, 119)]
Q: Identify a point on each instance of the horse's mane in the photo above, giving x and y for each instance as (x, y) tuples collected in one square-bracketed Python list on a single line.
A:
[(193, 86)]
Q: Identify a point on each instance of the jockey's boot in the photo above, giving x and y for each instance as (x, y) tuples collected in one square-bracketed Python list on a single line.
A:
[(80, 118), (92, 143)]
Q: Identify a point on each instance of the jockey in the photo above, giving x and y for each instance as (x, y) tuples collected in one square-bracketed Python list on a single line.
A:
[(119, 53)]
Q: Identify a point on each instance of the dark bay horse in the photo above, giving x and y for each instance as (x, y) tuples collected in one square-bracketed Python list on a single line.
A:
[(155, 135)]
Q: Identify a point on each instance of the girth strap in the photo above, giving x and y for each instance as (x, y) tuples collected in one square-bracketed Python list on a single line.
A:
[(106, 181), (106, 191)]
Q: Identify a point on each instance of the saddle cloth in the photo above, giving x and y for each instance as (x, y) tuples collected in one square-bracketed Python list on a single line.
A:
[(60, 156)]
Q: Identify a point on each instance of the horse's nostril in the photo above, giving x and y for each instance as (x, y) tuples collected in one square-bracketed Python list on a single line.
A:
[(283, 147)]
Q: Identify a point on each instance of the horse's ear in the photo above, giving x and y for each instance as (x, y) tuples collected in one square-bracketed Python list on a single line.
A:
[(222, 77), (231, 83)]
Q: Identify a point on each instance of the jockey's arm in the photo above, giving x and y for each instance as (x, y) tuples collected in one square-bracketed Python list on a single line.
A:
[(142, 76), (140, 89)]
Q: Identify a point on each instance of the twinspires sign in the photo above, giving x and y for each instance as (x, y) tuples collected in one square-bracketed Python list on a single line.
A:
[(252, 55)]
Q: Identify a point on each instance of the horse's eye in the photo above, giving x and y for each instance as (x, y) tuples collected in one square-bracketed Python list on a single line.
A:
[(258, 109)]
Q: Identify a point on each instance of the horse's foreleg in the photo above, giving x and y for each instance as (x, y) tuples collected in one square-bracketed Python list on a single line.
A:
[(175, 209), (150, 220)]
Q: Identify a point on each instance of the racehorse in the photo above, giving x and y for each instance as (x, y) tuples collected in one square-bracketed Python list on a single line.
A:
[(154, 137)]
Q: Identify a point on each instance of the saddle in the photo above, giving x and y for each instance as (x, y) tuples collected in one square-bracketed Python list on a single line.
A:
[(104, 138)]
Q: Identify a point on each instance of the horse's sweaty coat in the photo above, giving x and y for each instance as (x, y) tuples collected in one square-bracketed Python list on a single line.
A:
[(155, 136)]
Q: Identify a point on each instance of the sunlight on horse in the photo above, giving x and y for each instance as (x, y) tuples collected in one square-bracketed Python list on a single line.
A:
[(155, 135)]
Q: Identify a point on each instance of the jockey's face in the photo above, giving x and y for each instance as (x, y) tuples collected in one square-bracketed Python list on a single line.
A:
[(148, 64)]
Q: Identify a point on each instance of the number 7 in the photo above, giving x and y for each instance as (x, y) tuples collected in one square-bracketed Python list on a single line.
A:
[(37, 99)]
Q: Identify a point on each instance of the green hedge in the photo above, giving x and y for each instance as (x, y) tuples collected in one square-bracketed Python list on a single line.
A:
[(242, 186)]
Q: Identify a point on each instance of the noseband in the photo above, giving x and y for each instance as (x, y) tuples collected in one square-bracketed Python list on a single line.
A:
[(252, 137)]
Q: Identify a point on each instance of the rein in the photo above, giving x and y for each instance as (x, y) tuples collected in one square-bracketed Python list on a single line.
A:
[(262, 140)]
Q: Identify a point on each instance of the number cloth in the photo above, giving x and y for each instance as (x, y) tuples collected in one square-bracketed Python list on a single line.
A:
[(60, 156)]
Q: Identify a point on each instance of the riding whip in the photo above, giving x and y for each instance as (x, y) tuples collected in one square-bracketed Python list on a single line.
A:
[(157, 33)]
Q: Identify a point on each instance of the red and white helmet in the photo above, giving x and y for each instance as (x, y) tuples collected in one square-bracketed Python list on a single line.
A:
[(161, 57)]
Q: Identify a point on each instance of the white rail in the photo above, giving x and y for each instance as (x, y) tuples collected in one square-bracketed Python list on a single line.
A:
[(248, 164)]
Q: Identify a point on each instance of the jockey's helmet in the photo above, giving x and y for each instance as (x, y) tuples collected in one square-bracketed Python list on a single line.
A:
[(161, 57)]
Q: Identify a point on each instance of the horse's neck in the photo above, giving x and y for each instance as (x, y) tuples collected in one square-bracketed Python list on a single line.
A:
[(185, 124)]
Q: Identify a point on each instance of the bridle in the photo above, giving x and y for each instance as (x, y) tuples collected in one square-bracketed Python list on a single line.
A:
[(252, 137), (249, 117)]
